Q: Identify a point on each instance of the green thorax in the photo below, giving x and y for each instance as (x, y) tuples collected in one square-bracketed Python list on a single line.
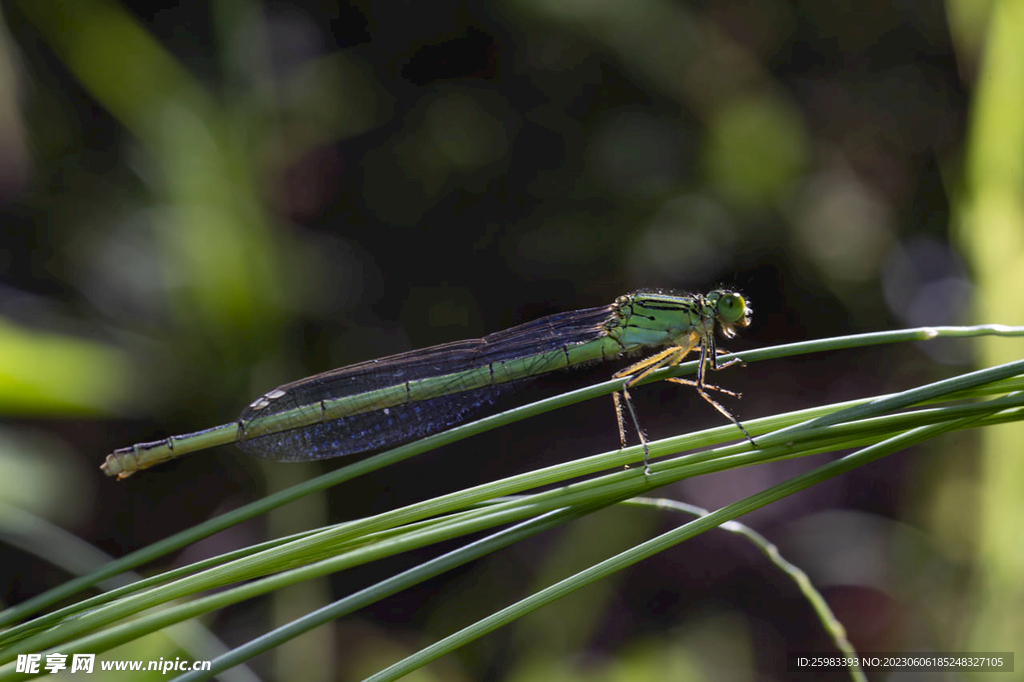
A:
[(663, 319)]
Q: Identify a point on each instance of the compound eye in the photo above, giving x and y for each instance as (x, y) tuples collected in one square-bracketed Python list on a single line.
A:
[(731, 307)]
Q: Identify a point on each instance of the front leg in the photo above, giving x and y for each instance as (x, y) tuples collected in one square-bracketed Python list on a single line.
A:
[(714, 403), (701, 385), (706, 387), (727, 363)]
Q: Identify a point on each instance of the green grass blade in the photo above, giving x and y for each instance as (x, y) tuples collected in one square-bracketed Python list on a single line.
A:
[(803, 582), (659, 544), (27, 608), (603, 490)]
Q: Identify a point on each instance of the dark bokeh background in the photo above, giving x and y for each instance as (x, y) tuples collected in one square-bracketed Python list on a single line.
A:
[(199, 202)]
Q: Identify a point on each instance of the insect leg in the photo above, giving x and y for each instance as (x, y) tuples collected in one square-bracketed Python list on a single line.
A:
[(701, 385), (666, 358)]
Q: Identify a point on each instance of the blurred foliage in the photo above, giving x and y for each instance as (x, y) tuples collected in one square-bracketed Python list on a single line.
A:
[(201, 201), (991, 229)]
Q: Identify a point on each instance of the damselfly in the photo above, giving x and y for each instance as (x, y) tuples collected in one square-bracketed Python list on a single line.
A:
[(386, 402)]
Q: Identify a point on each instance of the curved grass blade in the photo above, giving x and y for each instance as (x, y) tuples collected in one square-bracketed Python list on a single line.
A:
[(170, 544)]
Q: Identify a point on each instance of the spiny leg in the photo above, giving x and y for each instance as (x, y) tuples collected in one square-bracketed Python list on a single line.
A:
[(668, 357), (636, 424), (644, 364), (718, 406), (706, 387), (619, 418), (701, 385), (638, 371), (728, 363)]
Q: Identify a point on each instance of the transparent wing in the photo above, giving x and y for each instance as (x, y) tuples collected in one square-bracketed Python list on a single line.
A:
[(363, 429)]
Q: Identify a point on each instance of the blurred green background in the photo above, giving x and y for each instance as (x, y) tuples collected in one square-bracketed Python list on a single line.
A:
[(201, 201)]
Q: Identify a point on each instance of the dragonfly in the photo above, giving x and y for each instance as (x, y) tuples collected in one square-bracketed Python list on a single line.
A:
[(381, 403)]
